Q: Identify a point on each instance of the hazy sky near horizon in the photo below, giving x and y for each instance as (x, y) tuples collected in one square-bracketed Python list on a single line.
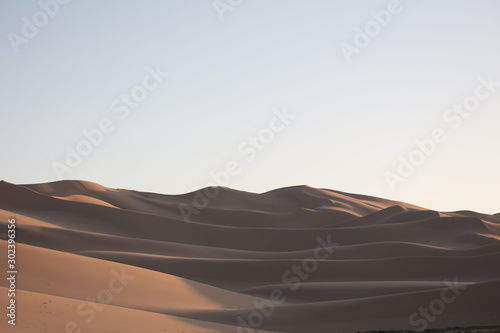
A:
[(227, 79)]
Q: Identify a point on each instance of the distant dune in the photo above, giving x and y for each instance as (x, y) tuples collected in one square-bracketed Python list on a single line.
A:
[(296, 259)]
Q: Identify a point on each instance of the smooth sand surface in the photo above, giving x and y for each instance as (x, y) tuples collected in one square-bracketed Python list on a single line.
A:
[(297, 259)]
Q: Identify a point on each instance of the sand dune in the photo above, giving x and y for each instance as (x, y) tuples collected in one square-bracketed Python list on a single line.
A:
[(296, 259)]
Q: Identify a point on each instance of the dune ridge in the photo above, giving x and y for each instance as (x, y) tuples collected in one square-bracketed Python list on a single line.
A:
[(381, 260)]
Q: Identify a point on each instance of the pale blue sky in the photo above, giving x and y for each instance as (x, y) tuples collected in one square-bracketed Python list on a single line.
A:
[(352, 121)]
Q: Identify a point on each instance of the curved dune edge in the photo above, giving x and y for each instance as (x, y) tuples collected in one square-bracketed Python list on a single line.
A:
[(383, 260)]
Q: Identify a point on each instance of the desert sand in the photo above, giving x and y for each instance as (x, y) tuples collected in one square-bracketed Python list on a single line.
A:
[(297, 259)]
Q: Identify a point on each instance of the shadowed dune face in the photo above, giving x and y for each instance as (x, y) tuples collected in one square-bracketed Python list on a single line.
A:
[(296, 259)]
